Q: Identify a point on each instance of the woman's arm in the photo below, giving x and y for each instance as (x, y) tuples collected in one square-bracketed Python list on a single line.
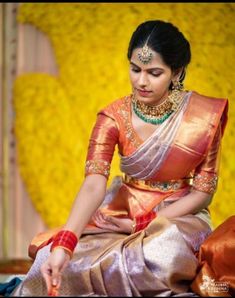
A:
[(102, 143), (101, 148), (204, 184), (189, 204), (89, 198)]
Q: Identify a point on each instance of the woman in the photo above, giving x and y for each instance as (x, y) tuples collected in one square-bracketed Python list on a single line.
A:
[(142, 236)]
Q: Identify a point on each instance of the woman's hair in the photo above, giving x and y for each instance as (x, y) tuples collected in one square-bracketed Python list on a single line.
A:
[(165, 39)]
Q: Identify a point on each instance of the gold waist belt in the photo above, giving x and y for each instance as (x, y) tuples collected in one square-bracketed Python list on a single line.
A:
[(170, 185)]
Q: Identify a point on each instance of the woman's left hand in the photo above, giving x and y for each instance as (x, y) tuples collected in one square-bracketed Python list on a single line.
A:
[(112, 223)]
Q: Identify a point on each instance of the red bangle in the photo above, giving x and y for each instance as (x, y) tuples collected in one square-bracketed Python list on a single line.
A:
[(65, 239), (142, 221)]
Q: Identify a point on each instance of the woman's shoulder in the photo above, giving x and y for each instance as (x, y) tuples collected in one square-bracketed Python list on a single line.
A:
[(116, 106), (213, 108), (208, 105), (207, 99)]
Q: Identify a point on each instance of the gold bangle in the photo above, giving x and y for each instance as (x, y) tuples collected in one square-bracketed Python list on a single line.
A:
[(133, 226)]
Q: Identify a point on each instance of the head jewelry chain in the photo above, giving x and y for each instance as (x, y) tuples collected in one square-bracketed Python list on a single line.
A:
[(146, 55)]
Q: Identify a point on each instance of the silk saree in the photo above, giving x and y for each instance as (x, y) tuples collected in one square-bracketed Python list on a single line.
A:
[(162, 260)]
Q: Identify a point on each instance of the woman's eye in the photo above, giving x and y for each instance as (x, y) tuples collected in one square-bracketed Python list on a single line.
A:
[(155, 74), (135, 70)]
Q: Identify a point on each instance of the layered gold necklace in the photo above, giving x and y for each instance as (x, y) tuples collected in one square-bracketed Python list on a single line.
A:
[(159, 113)]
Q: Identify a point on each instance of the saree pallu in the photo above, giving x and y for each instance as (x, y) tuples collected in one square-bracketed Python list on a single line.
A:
[(158, 261)]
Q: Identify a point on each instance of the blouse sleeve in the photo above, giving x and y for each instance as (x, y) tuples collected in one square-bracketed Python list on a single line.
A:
[(101, 148), (206, 174)]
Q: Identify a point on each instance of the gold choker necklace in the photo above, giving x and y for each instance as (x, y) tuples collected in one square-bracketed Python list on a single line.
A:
[(159, 113)]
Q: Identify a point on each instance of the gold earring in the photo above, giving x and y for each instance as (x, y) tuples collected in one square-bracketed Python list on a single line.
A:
[(177, 86)]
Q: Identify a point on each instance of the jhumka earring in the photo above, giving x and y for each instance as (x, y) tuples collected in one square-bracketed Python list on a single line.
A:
[(178, 86), (145, 56)]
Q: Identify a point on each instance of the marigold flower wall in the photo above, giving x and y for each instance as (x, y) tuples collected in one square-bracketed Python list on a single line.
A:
[(54, 116)]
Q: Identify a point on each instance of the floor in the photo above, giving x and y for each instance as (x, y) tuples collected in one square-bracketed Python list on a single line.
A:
[(7, 277), (14, 268)]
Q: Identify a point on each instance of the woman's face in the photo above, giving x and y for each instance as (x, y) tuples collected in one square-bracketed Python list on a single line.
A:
[(151, 81)]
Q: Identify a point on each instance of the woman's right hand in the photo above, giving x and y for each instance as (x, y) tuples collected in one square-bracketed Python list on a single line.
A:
[(52, 269)]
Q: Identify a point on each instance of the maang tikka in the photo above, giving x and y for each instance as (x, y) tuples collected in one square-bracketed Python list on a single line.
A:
[(146, 55)]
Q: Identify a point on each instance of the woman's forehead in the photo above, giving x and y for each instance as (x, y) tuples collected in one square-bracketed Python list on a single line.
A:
[(155, 62)]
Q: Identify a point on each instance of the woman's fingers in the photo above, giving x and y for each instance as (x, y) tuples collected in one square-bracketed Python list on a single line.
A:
[(46, 273), (112, 223), (55, 276), (97, 216), (107, 219), (100, 216), (52, 279), (124, 224), (55, 281), (54, 292), (115, 221), (104, 222), (52, 269)]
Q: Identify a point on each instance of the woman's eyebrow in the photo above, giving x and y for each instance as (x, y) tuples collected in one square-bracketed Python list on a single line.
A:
[(154, 68)]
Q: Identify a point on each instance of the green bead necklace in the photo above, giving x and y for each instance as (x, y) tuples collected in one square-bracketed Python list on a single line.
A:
[(151, 120), (157, 114)]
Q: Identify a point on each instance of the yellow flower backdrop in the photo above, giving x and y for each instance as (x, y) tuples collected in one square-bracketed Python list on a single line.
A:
[(55, 115)]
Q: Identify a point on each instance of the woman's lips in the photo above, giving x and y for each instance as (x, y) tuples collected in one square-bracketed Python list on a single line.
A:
[(144, 93)]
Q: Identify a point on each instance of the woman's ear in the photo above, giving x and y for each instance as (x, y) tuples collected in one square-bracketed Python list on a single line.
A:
[(178, 73)]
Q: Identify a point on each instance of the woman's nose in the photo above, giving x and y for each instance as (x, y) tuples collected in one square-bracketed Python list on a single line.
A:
[(142, 80)]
